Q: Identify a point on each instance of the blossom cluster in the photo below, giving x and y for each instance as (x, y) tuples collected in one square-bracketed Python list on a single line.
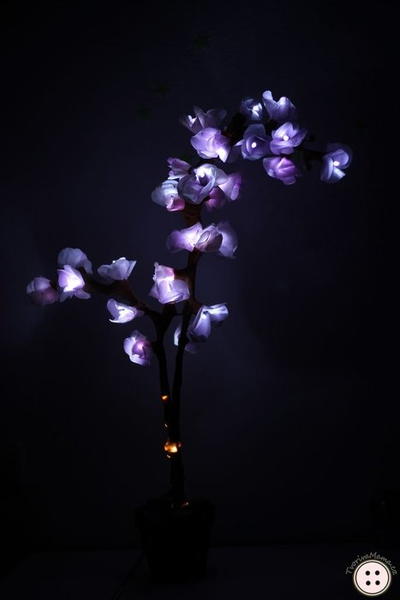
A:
[(203, 184), (168, 288), (266, 130), (271, 133)]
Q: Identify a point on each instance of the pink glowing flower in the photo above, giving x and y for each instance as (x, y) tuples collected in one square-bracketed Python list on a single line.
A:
[(177, 168), (41, 291), (138, 348), (71, 283), (211, 143), (185, 239), (167, 195), (196, 186), (219, 238), (201, 120), (229, 240), (200, 328), (281, 168), (119, 269), (168, 289), (122, 313), (279, 110), (75, 258), (231, 186)]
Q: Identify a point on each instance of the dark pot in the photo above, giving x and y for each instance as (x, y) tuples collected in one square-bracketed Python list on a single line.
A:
[(175, 541)]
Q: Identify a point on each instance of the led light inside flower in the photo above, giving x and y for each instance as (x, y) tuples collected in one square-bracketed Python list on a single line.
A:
[(286, 138), (73, 281), (335, 162), (172, 447), (201, 171), (255, 143)]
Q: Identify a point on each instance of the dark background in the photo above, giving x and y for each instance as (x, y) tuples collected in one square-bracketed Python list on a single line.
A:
[(281, 428)]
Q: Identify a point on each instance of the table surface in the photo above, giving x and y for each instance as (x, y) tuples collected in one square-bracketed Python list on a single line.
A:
[(278, 572)]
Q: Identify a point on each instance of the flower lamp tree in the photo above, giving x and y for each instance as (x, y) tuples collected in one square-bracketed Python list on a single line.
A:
[(265, 131)]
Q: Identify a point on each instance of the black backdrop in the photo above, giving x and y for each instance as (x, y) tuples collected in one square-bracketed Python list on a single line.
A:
[(280, 428)]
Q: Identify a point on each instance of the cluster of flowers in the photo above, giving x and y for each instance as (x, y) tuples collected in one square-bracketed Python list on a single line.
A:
[(168, 288), (271, 134), (267, 130), (206, 183)]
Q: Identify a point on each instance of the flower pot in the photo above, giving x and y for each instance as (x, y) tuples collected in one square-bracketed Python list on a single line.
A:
[(175, 541)]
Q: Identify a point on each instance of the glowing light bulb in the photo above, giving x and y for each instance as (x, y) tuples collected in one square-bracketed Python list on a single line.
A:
[(164, 397), (285, 138), (254, 145), (203, 171), (172, 447), (336, 163)]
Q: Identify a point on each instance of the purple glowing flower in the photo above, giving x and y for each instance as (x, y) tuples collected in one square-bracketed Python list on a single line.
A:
[(197, 186), (210, 143), (210, 239), (231, 186), (177, 168), (75, 258), (228, 190), (337, 158), (217, 312), (229, 240), (281, 168), (118, 270), (138, 348), (202, 120), (168, 289), (255, 143), (122, 313), (185, 239), (71, 283), (286, 137), (281, 110), (216, 199), (200, 328), (41, 291), (219, 238), (251, 109), (167, 195)]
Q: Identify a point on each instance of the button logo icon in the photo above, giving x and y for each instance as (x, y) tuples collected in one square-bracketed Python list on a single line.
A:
[(372, 578)]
